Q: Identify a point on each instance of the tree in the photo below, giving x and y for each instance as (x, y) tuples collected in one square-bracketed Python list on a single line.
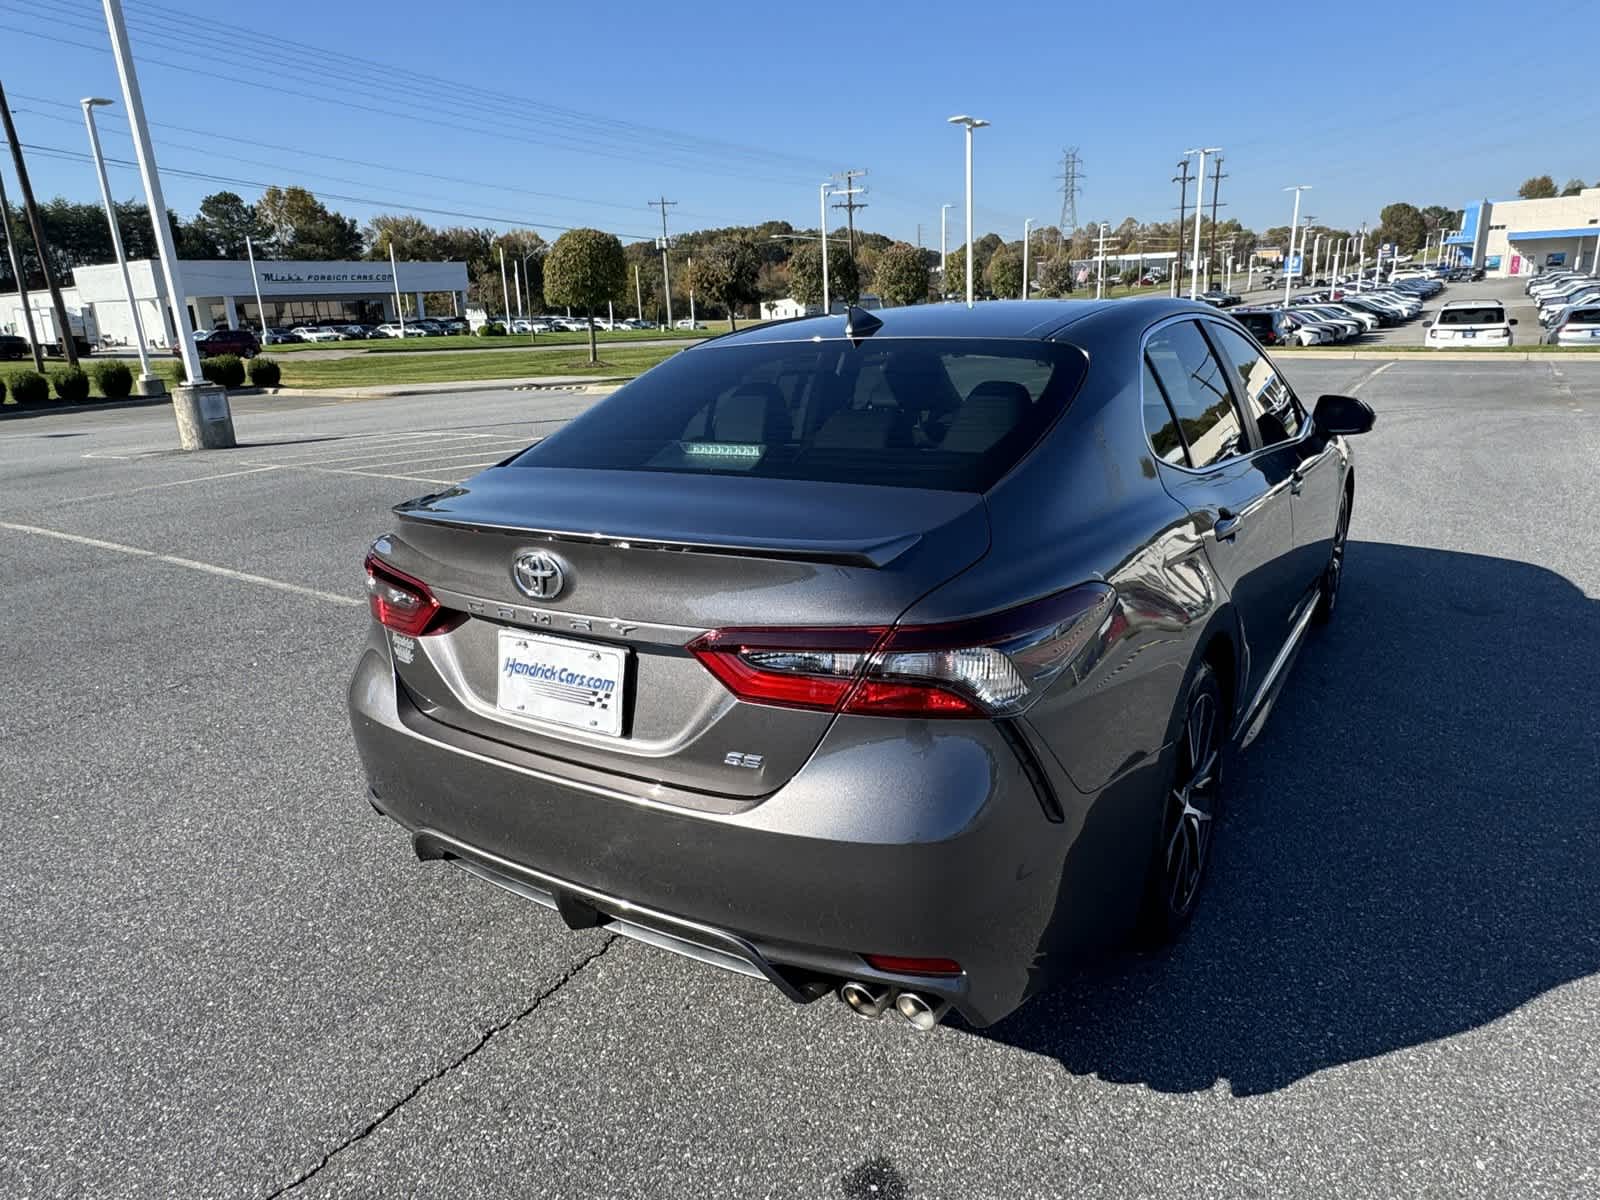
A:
[(1402, 226), (954, 280), (805, 274), (1574, 186), (1005, 274), (585, 268), (411, 238), (1540, 187), (303, 227), (1055, 276), (224, 222), (902, 275), (726, 271)]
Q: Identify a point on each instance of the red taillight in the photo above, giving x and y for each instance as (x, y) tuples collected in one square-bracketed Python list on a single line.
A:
[(401, 603), (990, 666), (897, 965)]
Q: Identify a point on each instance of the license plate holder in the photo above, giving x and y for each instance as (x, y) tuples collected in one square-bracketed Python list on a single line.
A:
[(561, 681)]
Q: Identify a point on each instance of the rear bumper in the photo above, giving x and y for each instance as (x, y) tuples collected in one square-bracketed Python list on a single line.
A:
[(931, 844)]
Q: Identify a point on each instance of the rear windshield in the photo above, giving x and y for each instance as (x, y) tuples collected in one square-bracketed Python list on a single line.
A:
[(1256, 323), (946, 414), (1488, 315), (1585, 316)]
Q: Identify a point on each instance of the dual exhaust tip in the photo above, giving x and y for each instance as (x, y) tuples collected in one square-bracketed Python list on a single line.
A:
[(870, 1000)]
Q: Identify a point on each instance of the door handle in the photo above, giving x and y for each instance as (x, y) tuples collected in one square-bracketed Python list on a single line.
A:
[(1296, 482), (1226, 526)]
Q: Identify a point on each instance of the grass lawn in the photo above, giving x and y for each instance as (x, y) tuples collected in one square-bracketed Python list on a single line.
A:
[(374, 370)]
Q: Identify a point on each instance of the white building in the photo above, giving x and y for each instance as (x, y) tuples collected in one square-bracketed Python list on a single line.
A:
[(788, 308), (221, 293), (1518, 237)]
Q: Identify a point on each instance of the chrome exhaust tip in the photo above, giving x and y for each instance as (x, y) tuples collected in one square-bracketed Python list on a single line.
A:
[(923, 1014), (864, 1000)]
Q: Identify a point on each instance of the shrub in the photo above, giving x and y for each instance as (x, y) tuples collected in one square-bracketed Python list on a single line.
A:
[(30, 387), (2, 391), (72, 385), (225, 369), (114, 379), (492, 329), (264, 372)]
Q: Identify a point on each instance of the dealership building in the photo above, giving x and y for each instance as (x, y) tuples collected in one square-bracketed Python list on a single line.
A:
[(1519, 237), (223, 293)]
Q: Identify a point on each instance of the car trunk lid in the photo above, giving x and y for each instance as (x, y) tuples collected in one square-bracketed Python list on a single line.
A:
[(649, 562)]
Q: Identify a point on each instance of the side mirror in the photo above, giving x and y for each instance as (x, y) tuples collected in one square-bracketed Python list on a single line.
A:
[(1342, 415), (1512, 321)]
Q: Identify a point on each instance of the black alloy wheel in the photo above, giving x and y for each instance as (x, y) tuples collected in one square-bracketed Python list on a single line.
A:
[(1188, 814)]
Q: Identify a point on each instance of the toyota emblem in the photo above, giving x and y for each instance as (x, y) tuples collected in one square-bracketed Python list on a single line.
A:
[(538, 575)]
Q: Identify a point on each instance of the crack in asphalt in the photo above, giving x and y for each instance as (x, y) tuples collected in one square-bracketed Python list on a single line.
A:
[(484, 1039)]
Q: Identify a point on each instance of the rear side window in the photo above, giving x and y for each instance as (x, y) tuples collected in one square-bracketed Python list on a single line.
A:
[(1196, 387), (1486, 315), (1159, 422), (1586, 316), (946, 414), (1271, 403)]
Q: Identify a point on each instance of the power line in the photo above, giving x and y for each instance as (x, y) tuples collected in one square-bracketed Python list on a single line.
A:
[(389, 203)]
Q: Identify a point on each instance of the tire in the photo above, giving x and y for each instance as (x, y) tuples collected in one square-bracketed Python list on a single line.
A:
[(1333, 573), (1189, 808)]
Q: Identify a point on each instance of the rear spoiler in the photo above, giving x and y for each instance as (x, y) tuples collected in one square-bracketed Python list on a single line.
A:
[(866, 553)]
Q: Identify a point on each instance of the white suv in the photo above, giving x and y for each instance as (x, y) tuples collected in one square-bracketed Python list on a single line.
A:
[(1470, 325)]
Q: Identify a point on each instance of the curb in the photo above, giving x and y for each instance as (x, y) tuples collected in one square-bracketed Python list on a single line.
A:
[(450, 389), (14, 412)]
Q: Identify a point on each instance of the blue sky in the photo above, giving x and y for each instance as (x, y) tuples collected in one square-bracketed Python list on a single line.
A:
[(555, 115)]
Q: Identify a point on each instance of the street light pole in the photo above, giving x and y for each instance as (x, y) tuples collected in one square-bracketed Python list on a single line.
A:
[(1100, 274), (255, 286), (944, 251), (971, 124), (1294, 224), (1199, 207), (822, 234), (1027, 238), (16, 273), (201, 409), (394, 277), (150, 384), (505, 291), (1361, 261)]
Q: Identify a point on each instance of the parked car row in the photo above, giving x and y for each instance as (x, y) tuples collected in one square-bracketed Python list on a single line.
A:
[(558, 324), (1338, 314), (340, 331), (1569, 307)]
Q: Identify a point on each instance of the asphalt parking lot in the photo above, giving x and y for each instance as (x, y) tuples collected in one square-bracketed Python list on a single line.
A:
[(224, 976)]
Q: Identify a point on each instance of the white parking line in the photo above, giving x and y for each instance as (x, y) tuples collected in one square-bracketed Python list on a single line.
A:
[(187, 563), (150, 487), (1370, 376)]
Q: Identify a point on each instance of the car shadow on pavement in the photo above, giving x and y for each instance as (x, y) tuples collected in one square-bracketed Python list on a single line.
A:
[(1410, 850)]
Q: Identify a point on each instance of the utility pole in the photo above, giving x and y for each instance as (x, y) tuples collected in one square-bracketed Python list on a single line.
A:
[(16, 271), (1027, 240), (638, 292), (69, 348), (1071, 188), (1182, 180), (666, 279), (1211, 246), (849, 192)]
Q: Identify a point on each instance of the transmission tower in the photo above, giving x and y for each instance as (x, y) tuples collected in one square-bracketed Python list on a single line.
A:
[(1071, 188)]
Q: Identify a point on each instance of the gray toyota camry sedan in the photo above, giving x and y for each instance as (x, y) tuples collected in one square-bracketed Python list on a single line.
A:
[(900, 655)]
